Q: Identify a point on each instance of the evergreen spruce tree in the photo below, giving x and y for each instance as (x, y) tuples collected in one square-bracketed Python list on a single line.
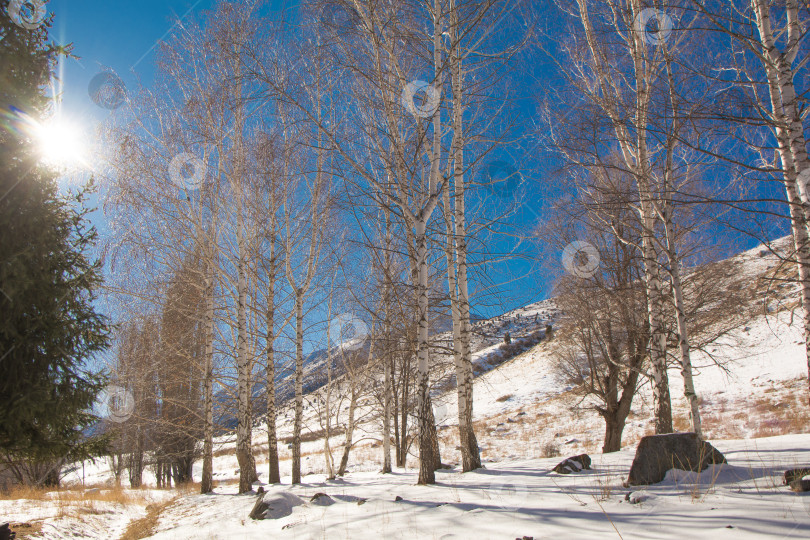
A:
[(49, 326)]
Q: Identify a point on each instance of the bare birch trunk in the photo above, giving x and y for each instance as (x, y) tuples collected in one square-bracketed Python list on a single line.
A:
[(274, 475), (655, 300), (386, 468), (426, 458), (347, 444), (386, 356), (470, 456), (683, 338), (402, 447), (327, 449), (207, 483), (636, 156), (789, 129), (299, 385), (244, 424), (671, 249)]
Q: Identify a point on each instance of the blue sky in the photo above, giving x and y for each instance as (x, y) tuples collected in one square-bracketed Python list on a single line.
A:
[(122, 36), (116, 35)]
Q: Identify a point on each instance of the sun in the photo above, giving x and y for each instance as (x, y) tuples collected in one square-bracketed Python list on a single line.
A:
[(60, 143)]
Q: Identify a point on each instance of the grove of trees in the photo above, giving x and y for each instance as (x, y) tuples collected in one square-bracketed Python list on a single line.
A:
[(307, 198)]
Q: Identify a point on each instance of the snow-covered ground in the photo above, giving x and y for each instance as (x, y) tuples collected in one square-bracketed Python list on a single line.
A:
[(523, 414), (80, 513), (517, 499)]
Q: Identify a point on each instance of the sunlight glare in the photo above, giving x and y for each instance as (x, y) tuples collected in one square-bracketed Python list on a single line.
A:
[(60, 143)]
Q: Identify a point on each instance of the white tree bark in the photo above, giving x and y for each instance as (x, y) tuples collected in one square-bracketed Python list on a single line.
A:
[(387, 346), (781, 70), (426, 431), (635, 153), (314, 227), (470, 455), (206, 483), (274, 475)]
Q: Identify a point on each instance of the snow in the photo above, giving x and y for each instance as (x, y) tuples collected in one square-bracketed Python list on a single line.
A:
[(522, 411), (744, 499), (79, 513)]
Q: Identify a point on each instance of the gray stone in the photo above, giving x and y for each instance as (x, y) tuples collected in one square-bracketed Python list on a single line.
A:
[(6, 533), (322, 499), (792, 475), (573, 464), (656, 454), (636, 497), (275, 505), (800, 485)]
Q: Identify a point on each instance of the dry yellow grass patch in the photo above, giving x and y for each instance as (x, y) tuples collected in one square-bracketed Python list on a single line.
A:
[(25, 492), (145, 526), (779, 410), (26, 529)]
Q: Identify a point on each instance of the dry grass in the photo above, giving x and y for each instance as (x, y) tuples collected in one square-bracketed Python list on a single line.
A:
[(550, 449), (24, 492), (145, 527), (680, 422), (74, 502), (26, 529), (507, 397), (779, 410), (604, 484)]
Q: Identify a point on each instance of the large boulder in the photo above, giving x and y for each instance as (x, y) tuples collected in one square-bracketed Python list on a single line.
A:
[(656, 454), (573, 464), (275, 505), (6, 533), (321, 499), (795, 479)]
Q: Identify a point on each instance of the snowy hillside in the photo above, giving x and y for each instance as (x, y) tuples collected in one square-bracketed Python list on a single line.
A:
[(752, 385)]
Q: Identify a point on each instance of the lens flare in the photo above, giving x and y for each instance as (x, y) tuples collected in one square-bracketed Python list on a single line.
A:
[(60, 143)]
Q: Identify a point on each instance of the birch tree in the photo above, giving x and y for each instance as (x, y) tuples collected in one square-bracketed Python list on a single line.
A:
[(770, 62), (625, 98), (304, 229)]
